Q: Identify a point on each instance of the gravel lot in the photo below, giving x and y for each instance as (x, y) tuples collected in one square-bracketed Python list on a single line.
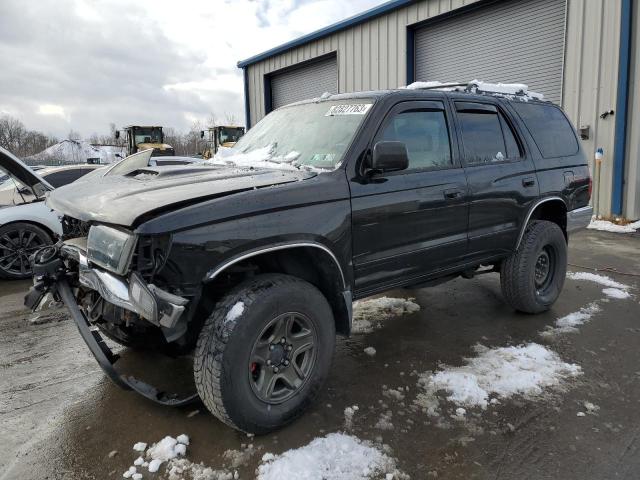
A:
[(62, 418)]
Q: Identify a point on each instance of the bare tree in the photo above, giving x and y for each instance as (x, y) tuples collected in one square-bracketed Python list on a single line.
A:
[(15, 137), (231, 119)]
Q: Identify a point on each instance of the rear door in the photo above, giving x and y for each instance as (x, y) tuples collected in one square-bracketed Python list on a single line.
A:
[(411, 223), (501, 175)]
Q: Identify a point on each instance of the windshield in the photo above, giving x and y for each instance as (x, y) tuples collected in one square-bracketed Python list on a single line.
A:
[(312, 136), (12, 192), (147, 135), (229, 134)]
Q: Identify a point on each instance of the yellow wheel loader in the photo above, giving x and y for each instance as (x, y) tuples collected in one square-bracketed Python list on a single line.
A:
[(221, 136), (144, 137)]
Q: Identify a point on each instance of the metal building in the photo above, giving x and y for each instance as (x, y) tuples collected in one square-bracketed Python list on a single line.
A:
[(581, 54)]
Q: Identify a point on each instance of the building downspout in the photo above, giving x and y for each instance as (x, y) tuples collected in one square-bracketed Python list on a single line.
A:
[(247, 109), (622, 106)]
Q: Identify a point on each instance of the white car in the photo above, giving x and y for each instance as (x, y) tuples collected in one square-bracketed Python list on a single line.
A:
[(26, 223)]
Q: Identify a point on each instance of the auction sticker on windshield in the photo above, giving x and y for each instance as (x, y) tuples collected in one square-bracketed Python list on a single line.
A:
[(351, 109)]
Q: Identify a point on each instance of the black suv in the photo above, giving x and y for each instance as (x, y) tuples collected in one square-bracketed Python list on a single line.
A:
[(253, 261)]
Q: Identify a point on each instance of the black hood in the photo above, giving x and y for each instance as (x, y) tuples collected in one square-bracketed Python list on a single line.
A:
[(123, 199)]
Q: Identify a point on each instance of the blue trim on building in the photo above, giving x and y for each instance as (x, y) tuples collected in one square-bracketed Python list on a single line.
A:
[(622, 104), (268, 102), (411, 55), (349, 22), (247, 108)]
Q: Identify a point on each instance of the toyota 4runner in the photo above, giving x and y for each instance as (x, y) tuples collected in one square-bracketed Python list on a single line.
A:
[(252, 262)]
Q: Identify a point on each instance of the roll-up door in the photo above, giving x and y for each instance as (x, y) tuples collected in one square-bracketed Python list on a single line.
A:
[(308, 81), (519, 41)]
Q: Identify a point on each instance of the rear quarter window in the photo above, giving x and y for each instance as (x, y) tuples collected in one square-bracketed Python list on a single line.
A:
[(549, 128)]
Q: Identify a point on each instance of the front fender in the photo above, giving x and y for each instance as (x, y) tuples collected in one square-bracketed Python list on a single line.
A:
[(36, 212)]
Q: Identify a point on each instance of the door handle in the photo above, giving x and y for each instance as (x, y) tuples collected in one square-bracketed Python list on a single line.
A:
[(528, 182), (452, 194)]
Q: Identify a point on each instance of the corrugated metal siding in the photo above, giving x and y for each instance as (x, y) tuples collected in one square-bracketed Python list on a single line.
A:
[(511, 42), (308, 81), (590, 80), (373, 56), (631, 203)]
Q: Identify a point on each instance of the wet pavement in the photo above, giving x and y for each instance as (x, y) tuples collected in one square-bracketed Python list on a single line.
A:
[(61, 417)]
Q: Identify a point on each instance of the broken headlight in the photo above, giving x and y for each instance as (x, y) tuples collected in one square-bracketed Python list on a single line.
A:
[(110, 248)]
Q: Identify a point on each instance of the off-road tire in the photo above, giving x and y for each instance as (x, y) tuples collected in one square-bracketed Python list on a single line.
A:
[(518, 272), (43, 237), (223, 351)]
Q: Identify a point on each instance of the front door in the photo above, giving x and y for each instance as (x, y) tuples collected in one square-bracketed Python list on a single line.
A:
[(412, 223)]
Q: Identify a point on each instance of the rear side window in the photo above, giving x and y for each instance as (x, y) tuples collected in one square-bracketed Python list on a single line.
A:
[(486, 135), (64, 177), (549, 128)]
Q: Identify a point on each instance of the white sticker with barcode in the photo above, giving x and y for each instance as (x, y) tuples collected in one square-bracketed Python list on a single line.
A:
[(350, 109)]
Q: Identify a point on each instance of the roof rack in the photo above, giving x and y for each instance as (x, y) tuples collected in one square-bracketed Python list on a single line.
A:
[(511, 90)]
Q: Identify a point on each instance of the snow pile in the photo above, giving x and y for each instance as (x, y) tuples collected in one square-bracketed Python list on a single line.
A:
[(509, 90), (616, 293), (503, 372), (568, 323), (165, 450), (237, 458), (78, 151), (606, 226), (336, 456), (366, 312), (599, 279), (264, 157), (349, 413), (235, 312), (370, 351)]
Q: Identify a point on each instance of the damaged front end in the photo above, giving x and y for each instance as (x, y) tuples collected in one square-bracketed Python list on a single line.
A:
[(105, 297)]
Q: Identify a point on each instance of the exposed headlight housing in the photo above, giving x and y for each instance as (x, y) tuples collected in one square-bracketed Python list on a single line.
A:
[(110, 248)]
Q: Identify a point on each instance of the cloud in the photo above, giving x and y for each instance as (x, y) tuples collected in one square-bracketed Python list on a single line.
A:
[(82, 64)]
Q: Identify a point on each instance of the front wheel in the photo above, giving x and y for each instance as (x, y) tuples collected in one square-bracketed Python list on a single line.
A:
[(532, 278), (264, 353), (18, 241)]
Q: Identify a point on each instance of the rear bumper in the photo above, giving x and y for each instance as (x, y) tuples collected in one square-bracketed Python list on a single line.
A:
[(579, 218)]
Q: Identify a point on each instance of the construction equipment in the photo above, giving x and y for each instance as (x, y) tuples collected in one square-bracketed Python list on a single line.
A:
[(221, 136), (144, 137)]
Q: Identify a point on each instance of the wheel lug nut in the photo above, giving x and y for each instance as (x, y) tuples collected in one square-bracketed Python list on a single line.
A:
[(269, 362), (275, 369), (286, 363), (289, 348), (271, 347), (283, 340)]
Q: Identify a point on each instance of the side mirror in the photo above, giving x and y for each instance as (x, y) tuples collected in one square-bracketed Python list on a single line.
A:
[(117, 134), (389, 157)]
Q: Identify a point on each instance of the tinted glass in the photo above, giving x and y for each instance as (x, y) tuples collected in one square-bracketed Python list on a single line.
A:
[(549, 128), (426, 136), (58, 179), (482, 137)]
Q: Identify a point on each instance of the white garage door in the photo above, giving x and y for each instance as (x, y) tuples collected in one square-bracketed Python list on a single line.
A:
[(308, 81), (519, 41)]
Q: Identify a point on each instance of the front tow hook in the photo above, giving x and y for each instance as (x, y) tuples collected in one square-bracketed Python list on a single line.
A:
[(52, 276)]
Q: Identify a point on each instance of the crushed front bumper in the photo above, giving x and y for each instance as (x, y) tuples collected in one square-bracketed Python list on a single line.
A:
[(51, 275)]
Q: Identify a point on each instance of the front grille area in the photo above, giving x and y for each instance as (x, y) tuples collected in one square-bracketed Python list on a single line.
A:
[(143, 259)]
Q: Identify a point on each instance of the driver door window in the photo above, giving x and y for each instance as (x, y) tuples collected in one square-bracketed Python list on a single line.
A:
[(425, 134)]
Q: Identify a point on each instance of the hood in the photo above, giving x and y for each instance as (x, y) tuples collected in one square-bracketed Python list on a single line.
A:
[(17, 170), (123, 199)]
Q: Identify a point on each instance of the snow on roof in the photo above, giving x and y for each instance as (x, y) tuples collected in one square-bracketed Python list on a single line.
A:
[(509, 90), (78, 151)]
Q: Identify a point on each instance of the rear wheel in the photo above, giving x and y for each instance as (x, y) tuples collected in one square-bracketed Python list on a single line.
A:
[(18, 241), (264, 353), (533, 277)]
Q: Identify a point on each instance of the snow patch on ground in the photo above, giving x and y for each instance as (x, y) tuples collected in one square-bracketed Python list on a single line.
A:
[(368, 314), (235, 312), (503, 372), (370, 351), (336, 456), (599, 279), (570, 322), (616, 293), (349, 413), (606, 226)]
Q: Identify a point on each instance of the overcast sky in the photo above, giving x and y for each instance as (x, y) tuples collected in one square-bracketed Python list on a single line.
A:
[(81, 64)]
